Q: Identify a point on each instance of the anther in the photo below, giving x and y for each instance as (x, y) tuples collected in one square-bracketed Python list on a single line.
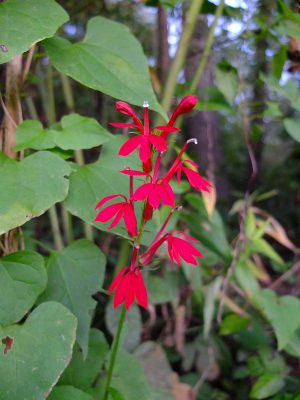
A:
[(145, 104), (193, 140)]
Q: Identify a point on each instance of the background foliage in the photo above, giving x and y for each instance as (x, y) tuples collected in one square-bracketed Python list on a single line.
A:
[(227, 329)]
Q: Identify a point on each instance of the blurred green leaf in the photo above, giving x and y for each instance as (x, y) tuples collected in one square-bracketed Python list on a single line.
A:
[(292, 126), (26, 22), (74, 275), (68, 393), (25, 198), (211, 296), (233, 323), (259, 245), (161, 290), (267, 385), (23, 278), (82, 373), (227, 81), (132, 328), (76, 132), (41, 350), (109, 59)]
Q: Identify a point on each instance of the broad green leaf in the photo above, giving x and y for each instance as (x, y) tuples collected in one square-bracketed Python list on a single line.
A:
[(74, 275), (272, 110), (267, 385), (41, 350), (82, 373), (211, 296), (129, 379), (161, 290), (90, 183), (32, 186), (132, 328), (68, 393), (76, 132), (246, 279), (292, 127), (114, 394), (109, 59), (283, 313), (278, 62), (26, 22), (22, 279)]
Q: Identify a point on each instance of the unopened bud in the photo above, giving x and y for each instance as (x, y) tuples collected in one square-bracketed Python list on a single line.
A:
[(193, 140), (145, 104)]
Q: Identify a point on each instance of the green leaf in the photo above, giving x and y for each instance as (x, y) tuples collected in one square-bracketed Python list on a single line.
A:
[(82, 373), (32, 186), (267, 385), (129, 379), (90, 183), (74, 275), (115, 394), (209, 307), (161, 290), (292, 126), (26, 22), (76, 132), (109, 59), (22, 279), (41, 350), (132, 328), (227, 82), (283, 313), (278, 61), (259, 245), (233, 323), (68, 393)]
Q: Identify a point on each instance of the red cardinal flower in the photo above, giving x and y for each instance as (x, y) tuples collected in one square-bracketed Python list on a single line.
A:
[(178, 247), (117, 211), (194, 178), (156, 192), (129, 285)]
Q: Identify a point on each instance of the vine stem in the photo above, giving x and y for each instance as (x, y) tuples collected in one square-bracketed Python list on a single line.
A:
[(114, 352)]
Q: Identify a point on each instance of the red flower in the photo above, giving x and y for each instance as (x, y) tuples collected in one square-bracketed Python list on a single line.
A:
[(194, 178), (178, 248), (144, 142), (156, 193), (129, 285), (117, 211)]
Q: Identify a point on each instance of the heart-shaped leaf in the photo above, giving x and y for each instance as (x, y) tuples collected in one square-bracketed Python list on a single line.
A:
[(32, 186), (22, 279), (68, 393), (76, 132), (25, 22), (283, 313), (74, 275), (40, 351), (82, 373), (109, 59)]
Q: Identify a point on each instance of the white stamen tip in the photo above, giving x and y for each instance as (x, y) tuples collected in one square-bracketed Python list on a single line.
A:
[(179, 208), (193, 140), (145, 104)]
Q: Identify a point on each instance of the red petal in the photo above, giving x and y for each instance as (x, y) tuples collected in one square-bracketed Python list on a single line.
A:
[(129, 296), (108, 212), (145, 151), (167, 194), (190, 162), (130, 145), (142, 192), (130, 220), (158, 142), (167, 129), (196, 180), (154, 197), (107, 198), (117, 218), (133, 172), (117, 280), (140, 290), (121, 291)]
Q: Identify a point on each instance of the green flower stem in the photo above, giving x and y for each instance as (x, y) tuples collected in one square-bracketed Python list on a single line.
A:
[(179, 60), (114, 351), (207, 49)]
